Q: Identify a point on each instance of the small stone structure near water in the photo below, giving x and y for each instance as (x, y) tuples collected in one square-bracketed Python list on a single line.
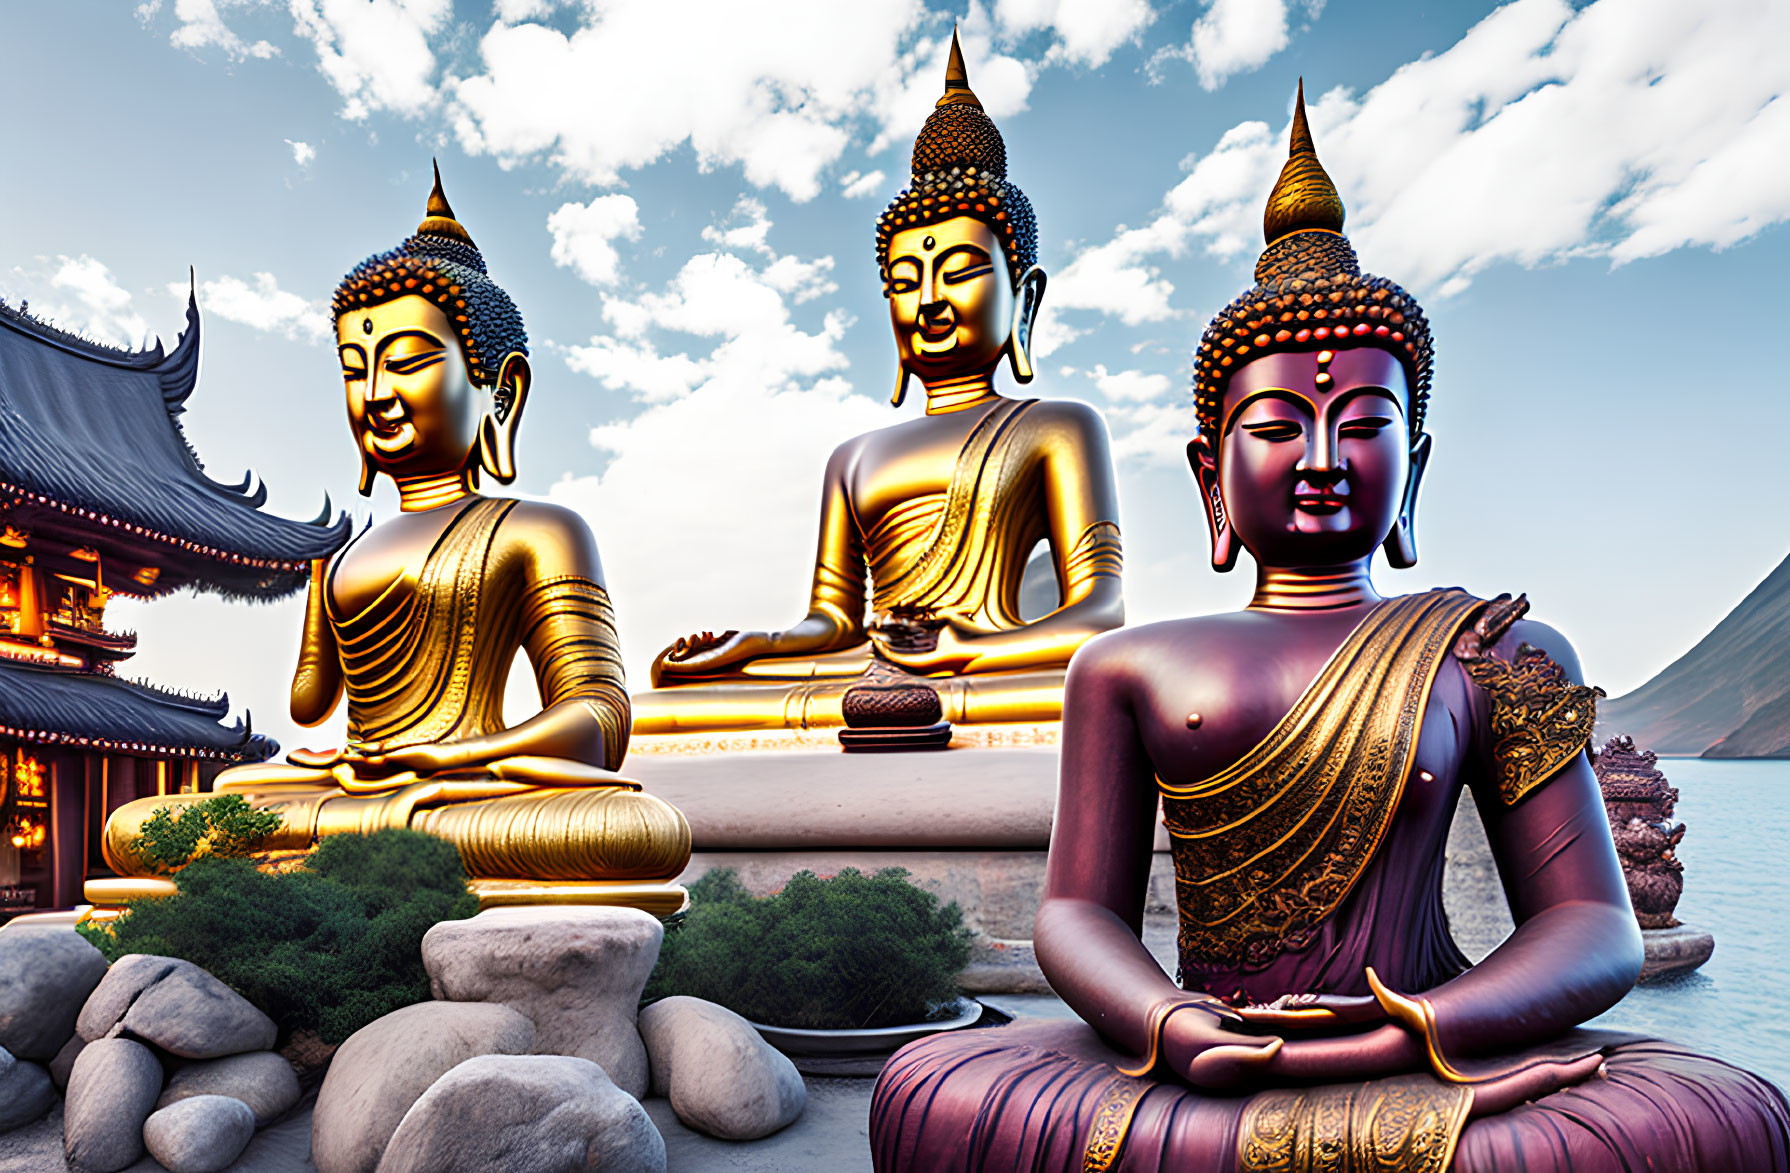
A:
[(1640, 803)]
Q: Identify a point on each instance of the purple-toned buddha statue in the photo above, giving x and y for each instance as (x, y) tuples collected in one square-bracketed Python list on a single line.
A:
[(1307, 753)]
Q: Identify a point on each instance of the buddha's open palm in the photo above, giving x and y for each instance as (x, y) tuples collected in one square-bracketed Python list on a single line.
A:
[(703, 653)]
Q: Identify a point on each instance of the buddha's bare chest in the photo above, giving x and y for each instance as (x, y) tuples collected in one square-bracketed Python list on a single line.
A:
[(902, 464), (390, 551), (1200, 718)]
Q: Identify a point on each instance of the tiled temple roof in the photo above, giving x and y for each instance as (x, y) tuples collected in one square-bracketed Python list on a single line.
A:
[(89, 434), (86, 711)]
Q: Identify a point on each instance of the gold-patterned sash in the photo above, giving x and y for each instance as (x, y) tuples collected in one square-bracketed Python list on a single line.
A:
[(1270, 847), (957, 562), (409, 656)]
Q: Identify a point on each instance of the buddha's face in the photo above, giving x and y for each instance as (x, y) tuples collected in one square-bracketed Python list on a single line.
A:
[(411, 401), (1314, 454), (950, 298)]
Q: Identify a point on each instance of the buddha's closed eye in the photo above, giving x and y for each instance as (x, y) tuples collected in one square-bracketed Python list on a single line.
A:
[(1275, 431)]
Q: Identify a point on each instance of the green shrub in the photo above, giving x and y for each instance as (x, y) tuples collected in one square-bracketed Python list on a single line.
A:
[(855, 951), (225, 825), (327, 947)]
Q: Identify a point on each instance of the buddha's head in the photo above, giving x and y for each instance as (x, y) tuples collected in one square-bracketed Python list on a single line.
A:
[(434, 356), (1310, 390), (958, 248)]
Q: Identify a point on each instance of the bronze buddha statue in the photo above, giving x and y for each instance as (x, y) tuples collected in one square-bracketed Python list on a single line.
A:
[(418, 619), (935, 519), (1307, 755)]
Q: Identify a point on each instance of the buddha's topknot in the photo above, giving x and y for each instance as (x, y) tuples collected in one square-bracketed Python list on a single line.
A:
[(1310, 293), (960, 169), (441, 264)]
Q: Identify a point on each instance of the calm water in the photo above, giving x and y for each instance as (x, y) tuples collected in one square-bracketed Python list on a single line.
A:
[(1736, 855)]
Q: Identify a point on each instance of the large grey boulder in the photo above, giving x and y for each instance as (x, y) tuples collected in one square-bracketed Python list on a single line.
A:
[(129, 976), (261, 1079), (721, 1076), (110, 1093), (384, 1066), (200, 1134), (25, 1091), (525, 1114), (45, 976), (192, 1014), (575, 971)]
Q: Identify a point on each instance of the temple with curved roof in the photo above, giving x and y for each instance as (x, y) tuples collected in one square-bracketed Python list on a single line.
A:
[(101, 495)]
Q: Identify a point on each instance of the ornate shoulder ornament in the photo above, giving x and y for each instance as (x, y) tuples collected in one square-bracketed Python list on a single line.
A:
[(1540, 718)]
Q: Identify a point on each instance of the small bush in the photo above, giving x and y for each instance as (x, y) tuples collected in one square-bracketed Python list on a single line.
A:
[(225, 825), (327, 947), (855, 951)]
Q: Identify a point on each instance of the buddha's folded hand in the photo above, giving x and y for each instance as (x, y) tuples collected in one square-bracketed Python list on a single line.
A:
[(1207, 1051), (950, 648), (1313, 1012), (316, 759)]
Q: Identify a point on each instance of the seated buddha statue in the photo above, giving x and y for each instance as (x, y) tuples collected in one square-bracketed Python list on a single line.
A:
[(1308, 753), (934, 520), (418, 620)]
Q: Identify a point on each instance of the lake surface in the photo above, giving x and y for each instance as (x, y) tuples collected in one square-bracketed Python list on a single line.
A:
[(1736, 854)]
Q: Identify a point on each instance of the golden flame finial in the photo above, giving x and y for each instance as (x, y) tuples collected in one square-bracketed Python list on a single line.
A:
[(957, 79), (1303, 197), (438, 217)]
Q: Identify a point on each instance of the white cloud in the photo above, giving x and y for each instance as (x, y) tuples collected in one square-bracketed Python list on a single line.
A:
[(699, 529), (748, 226), (202, 26), (80, 295), (854, 184), (1236, 36), (784, 107), (584, 236), (260, 304), (1625, 129), (302, 152), (376, 53), (1088, 30)]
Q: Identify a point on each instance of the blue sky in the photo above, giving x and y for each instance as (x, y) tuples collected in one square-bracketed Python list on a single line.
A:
[(680, 196)]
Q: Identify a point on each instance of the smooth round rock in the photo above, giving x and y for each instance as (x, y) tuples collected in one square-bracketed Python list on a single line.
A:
[(200, 1134), (111, 1091), (721, 1076), (129, 976), (26, 1092), (576, 972), (261, 1079), (192, 1014), (386, 1065), (45, 976), (525, 1114), (64, 1062)]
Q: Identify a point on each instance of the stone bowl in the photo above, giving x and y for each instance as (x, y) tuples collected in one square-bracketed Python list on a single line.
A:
[(877, 1040)]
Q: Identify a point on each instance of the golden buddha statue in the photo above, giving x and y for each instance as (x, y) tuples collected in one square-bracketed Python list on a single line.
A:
[(418, 619), (938, 516)]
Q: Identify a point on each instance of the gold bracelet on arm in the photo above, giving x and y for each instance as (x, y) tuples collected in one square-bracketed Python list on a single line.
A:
[(1419, 1017), (1165, 1009)]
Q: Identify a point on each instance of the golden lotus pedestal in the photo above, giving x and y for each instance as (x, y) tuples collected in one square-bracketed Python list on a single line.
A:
[(598, 845)]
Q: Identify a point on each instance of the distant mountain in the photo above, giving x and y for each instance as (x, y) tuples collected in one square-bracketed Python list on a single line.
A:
[(1727, 697)]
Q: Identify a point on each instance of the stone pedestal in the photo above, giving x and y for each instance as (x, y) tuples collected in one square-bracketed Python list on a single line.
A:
[(970, 823), (1675, 950)]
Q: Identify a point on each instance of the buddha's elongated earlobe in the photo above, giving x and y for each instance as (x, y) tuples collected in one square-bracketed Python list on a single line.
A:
[(900, 395), (366, 476), (1204, 461), (497, 433), (1025, 316), (1401, 543)]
